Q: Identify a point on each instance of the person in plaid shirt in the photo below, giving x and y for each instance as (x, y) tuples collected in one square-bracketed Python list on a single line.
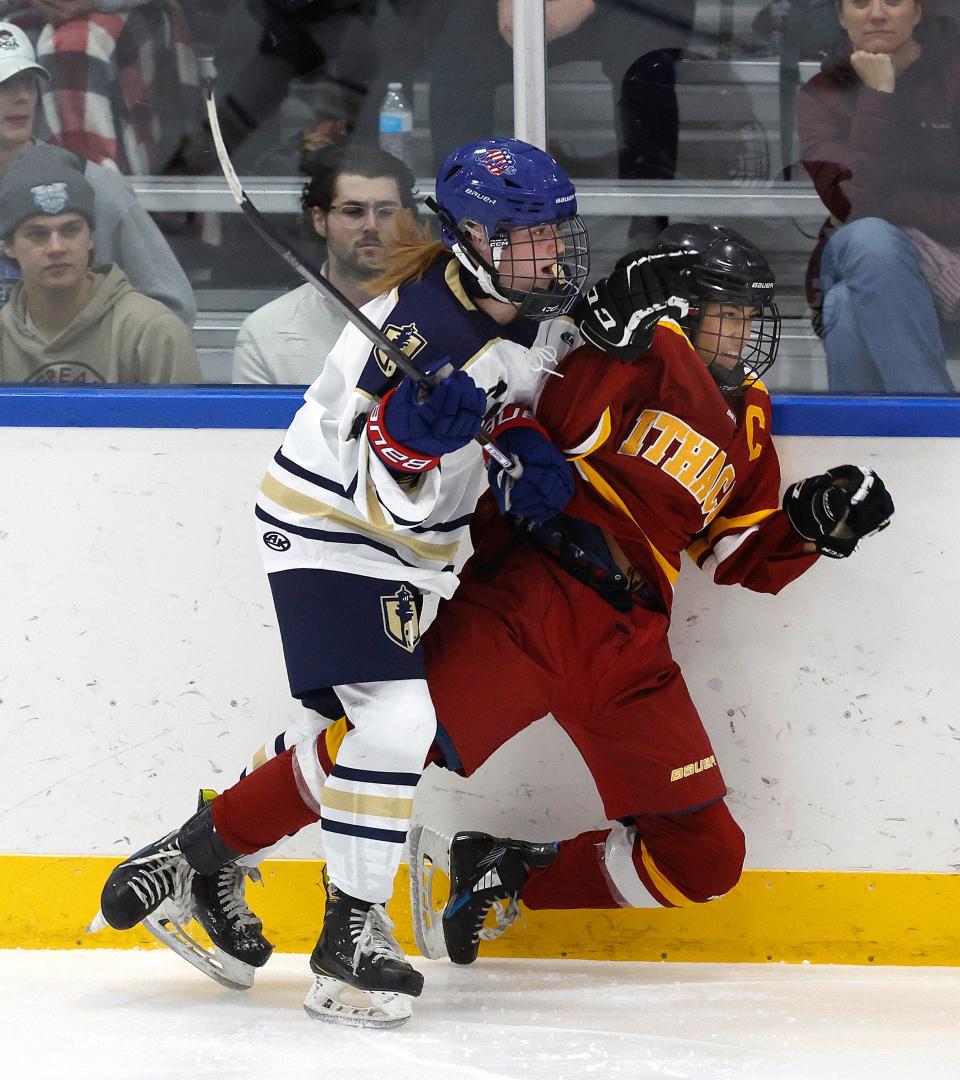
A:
[(124, 87)]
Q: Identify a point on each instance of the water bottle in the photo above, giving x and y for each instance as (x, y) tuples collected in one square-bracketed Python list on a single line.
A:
[(396, 124)]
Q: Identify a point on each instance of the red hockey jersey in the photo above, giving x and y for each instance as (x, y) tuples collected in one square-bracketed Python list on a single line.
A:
[(666, 463)]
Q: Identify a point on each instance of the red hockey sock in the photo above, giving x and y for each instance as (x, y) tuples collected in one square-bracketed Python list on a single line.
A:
[(574, 879), (262, 808)]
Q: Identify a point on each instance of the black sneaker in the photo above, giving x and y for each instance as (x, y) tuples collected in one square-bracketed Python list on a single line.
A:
[(140, 884), (483, 870), (220, 906), (357, 947)]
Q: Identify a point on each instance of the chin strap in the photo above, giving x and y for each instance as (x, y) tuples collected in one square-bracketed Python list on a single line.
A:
[(479, 273)]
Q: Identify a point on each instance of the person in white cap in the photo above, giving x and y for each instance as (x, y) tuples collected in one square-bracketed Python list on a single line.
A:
[(126, 234)]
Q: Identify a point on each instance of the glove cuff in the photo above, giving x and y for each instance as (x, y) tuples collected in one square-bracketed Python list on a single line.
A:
[(394, 454), (511, 416), (508, 417)]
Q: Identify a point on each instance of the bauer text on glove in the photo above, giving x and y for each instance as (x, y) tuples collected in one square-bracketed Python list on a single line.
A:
[(543, 481), (411, 436)]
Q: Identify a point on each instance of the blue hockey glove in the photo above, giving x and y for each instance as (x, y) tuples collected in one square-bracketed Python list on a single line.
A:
[(545, 484), (411, 435)]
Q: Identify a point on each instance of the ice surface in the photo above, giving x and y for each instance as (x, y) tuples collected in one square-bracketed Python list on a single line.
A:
[(144, 1015)]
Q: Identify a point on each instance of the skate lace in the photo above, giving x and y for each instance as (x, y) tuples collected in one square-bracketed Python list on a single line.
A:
[(158, 875), (505, 914), (543, 359), (373, 931), (182, 896), (230, 891)]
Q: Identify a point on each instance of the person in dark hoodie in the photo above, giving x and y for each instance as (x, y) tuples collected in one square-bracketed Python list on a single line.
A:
[(880, 134), (65, 322)]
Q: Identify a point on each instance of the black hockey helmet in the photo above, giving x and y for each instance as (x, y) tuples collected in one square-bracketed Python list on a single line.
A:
[(732, 271)]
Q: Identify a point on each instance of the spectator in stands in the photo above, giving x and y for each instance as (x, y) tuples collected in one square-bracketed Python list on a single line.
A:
[(124, 88), (126, 235), (880, 134), (352, 202), (66, 323), (474, 54), (264, 44)]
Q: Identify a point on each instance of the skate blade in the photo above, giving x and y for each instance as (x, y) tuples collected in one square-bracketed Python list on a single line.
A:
[(429, 855), (165, 924), (97, 923), (335, 1002)]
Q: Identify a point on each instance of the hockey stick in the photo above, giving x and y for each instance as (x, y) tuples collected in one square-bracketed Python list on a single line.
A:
[(370, 330)]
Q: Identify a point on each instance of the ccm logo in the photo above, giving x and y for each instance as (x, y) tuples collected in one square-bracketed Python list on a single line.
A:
[(276, 541)]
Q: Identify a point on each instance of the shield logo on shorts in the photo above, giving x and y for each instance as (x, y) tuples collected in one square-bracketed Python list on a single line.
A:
[(407, 339), (401, 623)]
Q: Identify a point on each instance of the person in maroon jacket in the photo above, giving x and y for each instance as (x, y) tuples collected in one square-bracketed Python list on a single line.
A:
[(880, 134)]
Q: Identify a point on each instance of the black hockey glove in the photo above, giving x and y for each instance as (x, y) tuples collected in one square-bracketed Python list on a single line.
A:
[(620, 313), (837, 508)]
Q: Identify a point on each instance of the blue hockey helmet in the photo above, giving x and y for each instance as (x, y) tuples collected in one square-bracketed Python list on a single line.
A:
[(488, 191)]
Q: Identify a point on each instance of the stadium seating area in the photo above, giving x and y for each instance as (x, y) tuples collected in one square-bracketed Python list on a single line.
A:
[(730, 168)]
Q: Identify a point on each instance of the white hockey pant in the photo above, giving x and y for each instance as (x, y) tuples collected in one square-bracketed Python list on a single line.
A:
[(366, 802)]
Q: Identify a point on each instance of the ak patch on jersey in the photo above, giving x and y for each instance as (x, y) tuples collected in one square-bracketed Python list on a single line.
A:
[(401, 623), (408, 340), (276, 541)]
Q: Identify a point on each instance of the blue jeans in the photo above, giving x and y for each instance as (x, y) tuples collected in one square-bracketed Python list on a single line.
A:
[(880, 327)]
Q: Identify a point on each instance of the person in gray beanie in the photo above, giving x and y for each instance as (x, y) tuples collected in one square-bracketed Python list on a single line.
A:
[(67, 322), (126, 234), (43, 183)]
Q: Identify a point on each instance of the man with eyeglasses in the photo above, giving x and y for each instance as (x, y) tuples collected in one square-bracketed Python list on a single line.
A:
[(352, 202)]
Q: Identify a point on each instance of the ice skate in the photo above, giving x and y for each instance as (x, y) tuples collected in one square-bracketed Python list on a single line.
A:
[(362, 977), (483, 871), (189, 873), (216, 901), (140, 884), (220, 906), (429, 888)]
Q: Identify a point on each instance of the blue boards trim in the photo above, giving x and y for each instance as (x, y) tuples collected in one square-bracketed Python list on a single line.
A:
[(273, 408)]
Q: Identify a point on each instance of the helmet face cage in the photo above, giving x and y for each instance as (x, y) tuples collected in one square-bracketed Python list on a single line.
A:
[(517, 254), (730, 272), (757, 351), (501, 193)]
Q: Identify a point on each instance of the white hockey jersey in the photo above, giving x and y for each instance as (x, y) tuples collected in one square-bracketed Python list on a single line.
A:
[(328, 502)]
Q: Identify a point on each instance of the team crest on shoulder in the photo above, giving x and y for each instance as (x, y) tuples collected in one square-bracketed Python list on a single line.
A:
[(497, 161), (408, 340), (401, 623)]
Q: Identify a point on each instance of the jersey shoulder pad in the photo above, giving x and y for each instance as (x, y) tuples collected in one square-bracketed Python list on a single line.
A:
[(430, 325)]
